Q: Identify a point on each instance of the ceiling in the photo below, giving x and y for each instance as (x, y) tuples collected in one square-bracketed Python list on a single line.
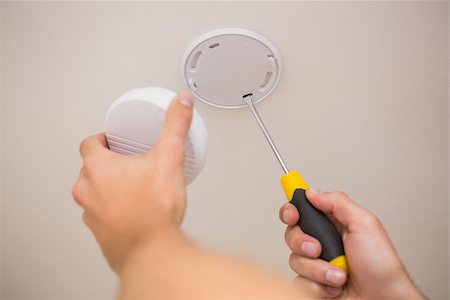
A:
[(361, 107)]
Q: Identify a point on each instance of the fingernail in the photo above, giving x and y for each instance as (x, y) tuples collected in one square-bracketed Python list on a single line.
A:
[(286, 216), (186, 99), (309, 248), (335, 276), (314, 191)]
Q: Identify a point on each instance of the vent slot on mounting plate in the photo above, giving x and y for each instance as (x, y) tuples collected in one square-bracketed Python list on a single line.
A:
[(212, 46), (195, 59), (266, 79)]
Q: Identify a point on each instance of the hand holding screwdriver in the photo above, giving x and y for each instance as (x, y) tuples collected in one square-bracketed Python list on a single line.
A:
[(376, 270)]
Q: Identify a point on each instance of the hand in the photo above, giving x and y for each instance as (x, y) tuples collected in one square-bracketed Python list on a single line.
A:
[(376, 271), (129, 198)]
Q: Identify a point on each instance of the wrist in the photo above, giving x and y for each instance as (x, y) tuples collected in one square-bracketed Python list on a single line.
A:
[(137, 229), (402, 287), (149, 244), (409, 290)]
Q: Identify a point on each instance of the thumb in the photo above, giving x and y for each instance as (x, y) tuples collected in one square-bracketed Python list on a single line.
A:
[(176, 126), (339, 205)]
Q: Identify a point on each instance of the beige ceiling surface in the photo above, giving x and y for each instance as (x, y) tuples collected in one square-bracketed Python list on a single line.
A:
[(361, 107)]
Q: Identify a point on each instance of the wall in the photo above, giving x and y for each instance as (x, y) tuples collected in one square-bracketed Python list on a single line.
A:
[(1, 140), (364, 96)]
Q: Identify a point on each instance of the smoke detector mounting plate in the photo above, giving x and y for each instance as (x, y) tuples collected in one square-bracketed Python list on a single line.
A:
[(222, 66)]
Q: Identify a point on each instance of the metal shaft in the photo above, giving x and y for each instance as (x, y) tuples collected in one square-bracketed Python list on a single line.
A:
[(248, 100)]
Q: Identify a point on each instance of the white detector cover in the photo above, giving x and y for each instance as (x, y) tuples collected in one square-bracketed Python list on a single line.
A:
[(222, 66), (135, 120)]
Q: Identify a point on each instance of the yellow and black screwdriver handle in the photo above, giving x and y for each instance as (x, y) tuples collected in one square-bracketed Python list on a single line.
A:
[(313, 221)]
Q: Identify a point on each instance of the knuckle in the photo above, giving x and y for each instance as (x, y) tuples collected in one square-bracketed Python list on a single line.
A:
[(341, 198), (75, 192), (294, 263), (371, 220), (83, 144), (89, 166), (342, 195), (286, 233), (185, 117), (288, 236), (169, 148), (294, 239)]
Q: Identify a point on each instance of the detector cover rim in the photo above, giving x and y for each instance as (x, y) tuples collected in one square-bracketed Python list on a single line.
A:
[(198, 43)]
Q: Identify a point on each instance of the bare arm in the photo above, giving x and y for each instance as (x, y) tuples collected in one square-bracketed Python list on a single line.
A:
[(174, 268), (134, 207)]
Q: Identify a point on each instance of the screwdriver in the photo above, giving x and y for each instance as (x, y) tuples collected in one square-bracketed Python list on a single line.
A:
[(312, 221)]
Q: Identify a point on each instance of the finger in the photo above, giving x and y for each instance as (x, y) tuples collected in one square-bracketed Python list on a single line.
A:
[(289, 214), (301, 243), (176, 127), (79, 192), (337, 204), (93, 144), (89, 220), (317, 270), (316, 290)]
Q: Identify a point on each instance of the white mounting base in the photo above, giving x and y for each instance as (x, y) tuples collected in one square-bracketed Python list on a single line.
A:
[(222, 66)]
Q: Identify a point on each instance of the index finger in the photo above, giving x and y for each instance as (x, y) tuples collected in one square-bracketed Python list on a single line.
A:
[(289, 214), (93, 144)]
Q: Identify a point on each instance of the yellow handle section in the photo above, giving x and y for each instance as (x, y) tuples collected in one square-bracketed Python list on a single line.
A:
[(340, 262), (292, 181)]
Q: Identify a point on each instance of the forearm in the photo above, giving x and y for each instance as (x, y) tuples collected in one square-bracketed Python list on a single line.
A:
[(170, 266)]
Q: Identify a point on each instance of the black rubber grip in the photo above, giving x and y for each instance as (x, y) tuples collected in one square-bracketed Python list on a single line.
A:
[(315, 223)]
